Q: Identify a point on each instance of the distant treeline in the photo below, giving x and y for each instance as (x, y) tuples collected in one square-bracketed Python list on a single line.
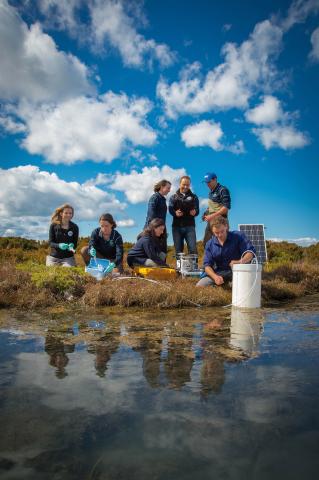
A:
[(278, 252)]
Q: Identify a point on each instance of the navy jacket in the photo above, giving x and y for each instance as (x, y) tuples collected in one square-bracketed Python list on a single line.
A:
[(111, 249), (219, 256), (145, 247), (157, 208)]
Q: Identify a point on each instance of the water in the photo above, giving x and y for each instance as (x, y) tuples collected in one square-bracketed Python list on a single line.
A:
[(197, 394)]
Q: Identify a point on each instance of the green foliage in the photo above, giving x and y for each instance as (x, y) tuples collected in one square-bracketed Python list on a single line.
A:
[(57, 279), (283, 252), (311, 254)]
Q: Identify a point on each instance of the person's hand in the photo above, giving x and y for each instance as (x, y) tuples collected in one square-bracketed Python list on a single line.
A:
[(192, 212), (92, 252), (234, 262), (218, 280), (71, 247), (179, 213), (208, 218), (110, 267), (63, 246)]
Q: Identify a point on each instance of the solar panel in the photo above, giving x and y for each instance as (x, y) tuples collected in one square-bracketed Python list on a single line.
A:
[(256, 234)]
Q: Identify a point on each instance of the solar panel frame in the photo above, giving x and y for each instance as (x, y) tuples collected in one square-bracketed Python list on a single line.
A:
[(255, 232)]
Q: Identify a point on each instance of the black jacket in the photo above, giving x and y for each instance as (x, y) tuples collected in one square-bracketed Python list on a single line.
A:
[(185, 202), (57, 235)]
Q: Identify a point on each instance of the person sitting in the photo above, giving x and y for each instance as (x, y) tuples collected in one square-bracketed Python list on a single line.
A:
[(222, 251), (63, 237), (105, 242), (147, 250)]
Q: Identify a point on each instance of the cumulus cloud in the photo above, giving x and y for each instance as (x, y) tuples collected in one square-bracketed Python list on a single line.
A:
[(129, 222), (247, 68), (314, 54), (208, 134), (269, 111), (29, 195), (86, 128), (32, 67), (302, 241), (110, 24), (285, 137), (138, 186)]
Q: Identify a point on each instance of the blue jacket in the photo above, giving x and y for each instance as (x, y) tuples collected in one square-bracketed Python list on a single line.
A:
[(220, 195), (157, 208), (219, 256), (111, 249), (145, 247)]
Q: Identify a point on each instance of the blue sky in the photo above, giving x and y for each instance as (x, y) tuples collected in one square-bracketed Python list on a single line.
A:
[(99, 99)]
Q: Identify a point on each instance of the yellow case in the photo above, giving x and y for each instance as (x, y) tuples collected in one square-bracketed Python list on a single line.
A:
[(155, 273)]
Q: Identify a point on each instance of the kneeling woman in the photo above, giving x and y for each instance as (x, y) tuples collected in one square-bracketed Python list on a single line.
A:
[(147, 250), (63, 237), (105, 242)]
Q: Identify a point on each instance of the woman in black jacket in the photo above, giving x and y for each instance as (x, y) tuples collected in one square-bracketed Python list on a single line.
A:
[(63, 237)]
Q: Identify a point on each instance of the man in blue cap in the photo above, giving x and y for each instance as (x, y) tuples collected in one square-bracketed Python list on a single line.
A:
[(219, 202)]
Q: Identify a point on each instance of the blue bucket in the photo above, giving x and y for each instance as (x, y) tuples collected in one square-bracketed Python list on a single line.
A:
[(98, 267)]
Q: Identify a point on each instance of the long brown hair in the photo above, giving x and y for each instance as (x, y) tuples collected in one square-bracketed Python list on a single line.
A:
[(56, 216), (107, 217), (150, 229), (160, 184)]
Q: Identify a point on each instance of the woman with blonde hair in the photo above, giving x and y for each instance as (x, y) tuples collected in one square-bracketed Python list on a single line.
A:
[(63, 237)]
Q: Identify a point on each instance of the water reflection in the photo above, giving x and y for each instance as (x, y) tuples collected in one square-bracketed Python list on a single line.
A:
[(121, 397)]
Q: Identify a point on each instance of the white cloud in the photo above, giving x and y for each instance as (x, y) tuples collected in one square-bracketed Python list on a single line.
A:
[(208, 134), (86, 128), (298, 11), (138, 186), (269, 111), (247, 68), (110, 23), (129, 222), (32, 67), (28, 197), (314, 54), (285, 137)]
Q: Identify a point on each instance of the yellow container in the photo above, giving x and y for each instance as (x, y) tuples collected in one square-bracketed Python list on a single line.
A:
[(155, 273)]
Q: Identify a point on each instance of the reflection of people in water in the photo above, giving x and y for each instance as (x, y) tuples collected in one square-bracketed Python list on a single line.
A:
[(103, 350), (57, 351), (213, 372), (180, 359)]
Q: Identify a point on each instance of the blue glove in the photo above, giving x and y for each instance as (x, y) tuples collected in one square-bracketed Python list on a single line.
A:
[(109, 268), (63, 246), (92, 252), (71, 247)]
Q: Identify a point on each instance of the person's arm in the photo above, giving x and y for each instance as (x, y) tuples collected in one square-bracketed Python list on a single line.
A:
[(76, 236), (222, 211), (208, 262), (195, 210), (246, 249), (151, 253), (152, 207), (92, 242), (119, 250), (52, 237), (171, 206), (225, 205)]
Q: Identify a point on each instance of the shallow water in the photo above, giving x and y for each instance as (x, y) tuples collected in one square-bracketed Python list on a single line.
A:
[(196, 394)]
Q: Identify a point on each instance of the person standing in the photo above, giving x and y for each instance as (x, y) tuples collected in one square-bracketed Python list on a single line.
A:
[(184, 207), (63, 237), (219, 202), (157, 208)]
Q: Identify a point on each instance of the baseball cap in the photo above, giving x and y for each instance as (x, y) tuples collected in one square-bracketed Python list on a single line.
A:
[(209, 176)]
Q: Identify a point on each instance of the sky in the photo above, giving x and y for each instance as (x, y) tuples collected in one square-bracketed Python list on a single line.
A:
[(100, 99)]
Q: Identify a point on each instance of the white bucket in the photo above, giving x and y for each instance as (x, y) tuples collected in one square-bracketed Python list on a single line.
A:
[(187, 263), (245, 329), (246, 285)]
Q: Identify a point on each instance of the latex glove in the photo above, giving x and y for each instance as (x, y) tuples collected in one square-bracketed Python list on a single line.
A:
[(71, 247), (92, 252), (110, 267), (63, 246)]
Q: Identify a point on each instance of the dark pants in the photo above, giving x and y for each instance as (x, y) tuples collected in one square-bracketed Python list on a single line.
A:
[(181, 234)]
